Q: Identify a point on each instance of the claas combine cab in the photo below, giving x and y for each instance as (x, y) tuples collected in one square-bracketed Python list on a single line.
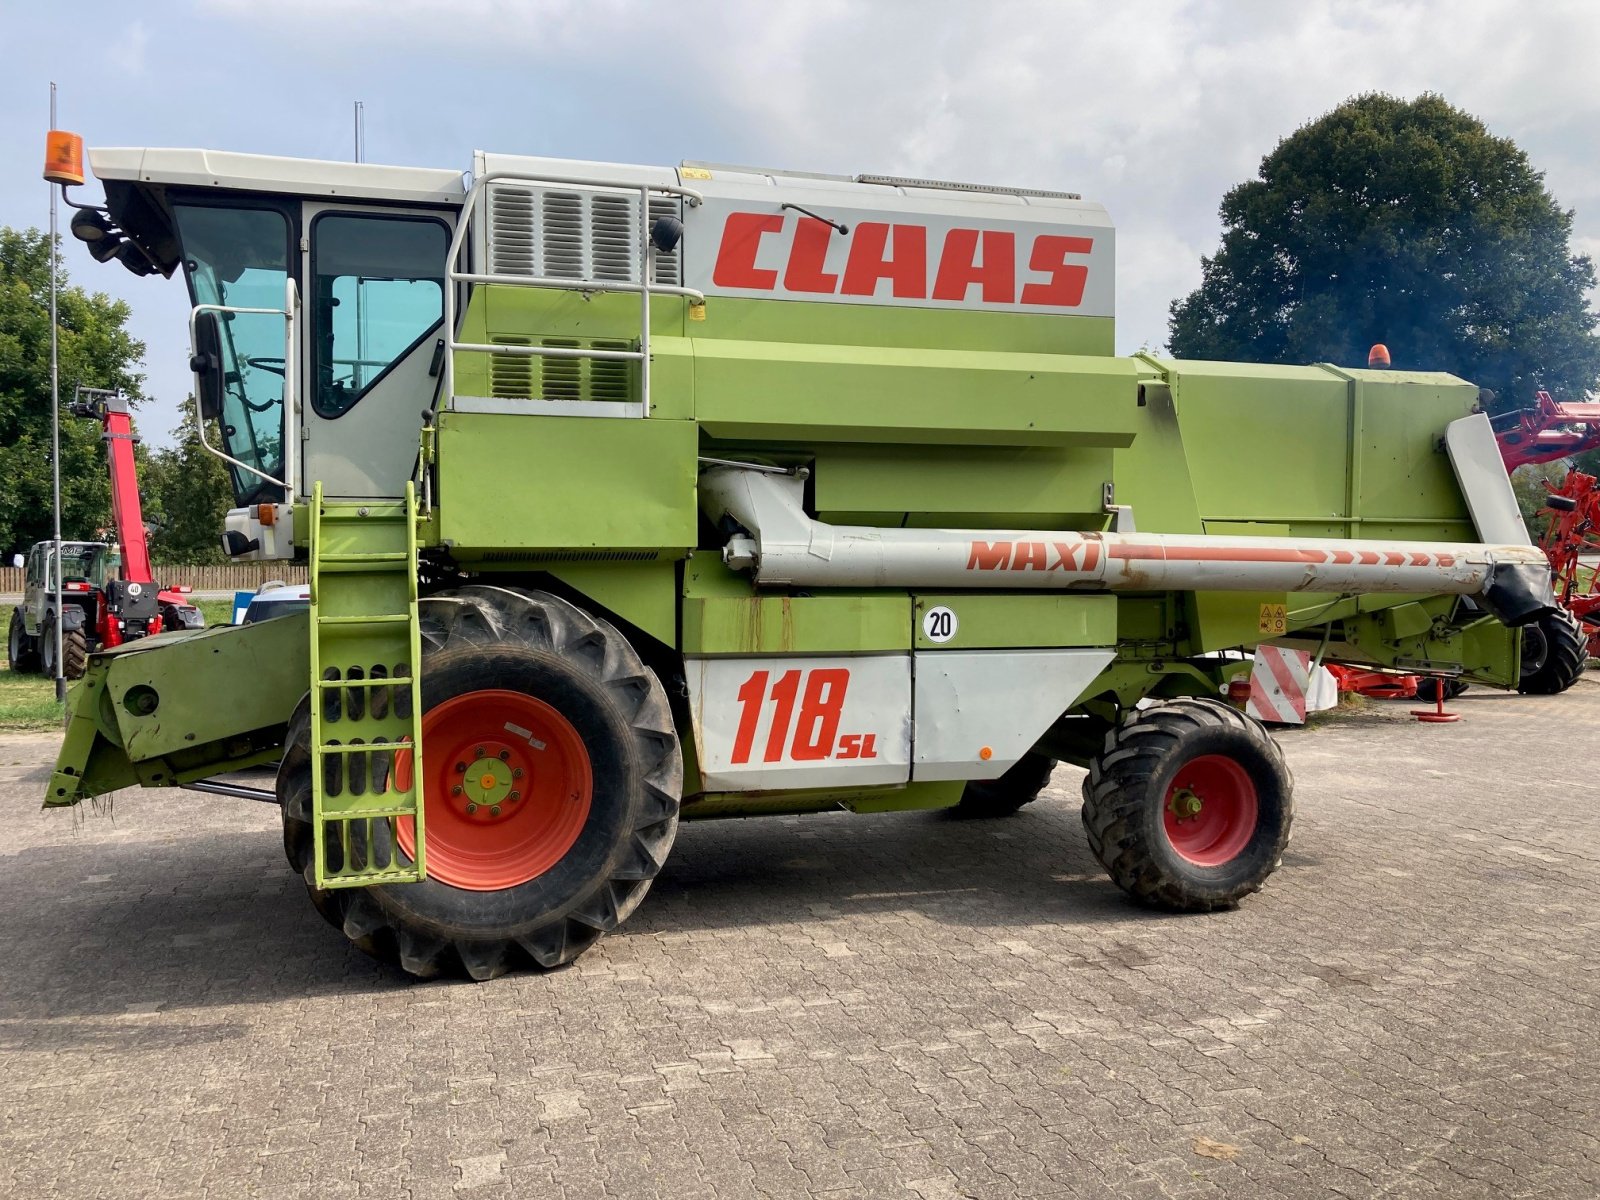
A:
[(633, 495)]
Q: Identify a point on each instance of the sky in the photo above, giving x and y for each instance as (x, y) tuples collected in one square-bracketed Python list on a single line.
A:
[(1153, 108)]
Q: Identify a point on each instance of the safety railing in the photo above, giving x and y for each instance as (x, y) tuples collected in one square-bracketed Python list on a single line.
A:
[(291, 368), (475, 209)]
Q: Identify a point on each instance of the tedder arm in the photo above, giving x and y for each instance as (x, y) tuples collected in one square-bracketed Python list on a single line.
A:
[(1548, 431)]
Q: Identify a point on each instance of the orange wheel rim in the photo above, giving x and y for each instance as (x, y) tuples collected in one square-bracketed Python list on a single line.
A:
[(507, 790)]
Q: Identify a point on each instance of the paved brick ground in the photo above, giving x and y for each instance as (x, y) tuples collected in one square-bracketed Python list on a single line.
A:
[(896, 1006)]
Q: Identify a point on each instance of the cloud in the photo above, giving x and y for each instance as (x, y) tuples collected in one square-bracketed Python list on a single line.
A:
[(1152, 108)]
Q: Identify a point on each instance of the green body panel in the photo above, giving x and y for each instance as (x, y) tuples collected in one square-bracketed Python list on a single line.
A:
[(722, 615), (996, 621), (1319, 451), (905, 798), (796, 392), (644, 594), (114, 741), (743, 320), (1047, 487), (515, 488)]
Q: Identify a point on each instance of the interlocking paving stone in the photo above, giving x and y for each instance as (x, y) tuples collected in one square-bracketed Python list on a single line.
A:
[(897, 1006)]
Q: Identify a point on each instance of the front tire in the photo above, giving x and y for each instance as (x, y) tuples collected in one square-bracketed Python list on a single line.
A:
[(1555, 651), (22, 655), (1189, 805), (515, 681)]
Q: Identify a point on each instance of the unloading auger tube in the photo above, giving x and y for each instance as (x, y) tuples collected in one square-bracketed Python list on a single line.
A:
[(785, 547)]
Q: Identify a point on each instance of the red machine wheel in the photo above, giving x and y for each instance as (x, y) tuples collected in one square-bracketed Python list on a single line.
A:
[(1189, 805), (502, 808), (1211, 811)]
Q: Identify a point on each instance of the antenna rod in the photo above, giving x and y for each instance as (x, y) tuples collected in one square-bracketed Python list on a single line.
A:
[(360, 120), (55, 431)]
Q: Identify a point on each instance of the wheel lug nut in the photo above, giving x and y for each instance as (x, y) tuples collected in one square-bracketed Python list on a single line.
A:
[(505, 756), (480, 751), (471, 808), (456, 791), (516, 772), (495, 811), (514, 796), (461, 768)]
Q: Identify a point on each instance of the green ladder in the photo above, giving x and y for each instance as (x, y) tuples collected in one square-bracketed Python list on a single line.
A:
[(366, 707)]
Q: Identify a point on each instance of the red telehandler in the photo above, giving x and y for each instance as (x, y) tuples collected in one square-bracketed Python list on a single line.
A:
[(133, 605), (107, 598)]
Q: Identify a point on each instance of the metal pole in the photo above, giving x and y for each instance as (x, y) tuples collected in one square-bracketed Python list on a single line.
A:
[(358, 115), (55, 428)]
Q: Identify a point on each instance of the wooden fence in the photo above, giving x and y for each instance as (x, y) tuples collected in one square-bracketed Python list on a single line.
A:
[(225, 577)]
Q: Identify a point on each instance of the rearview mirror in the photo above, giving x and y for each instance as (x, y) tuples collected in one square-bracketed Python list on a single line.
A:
[(206, 363)]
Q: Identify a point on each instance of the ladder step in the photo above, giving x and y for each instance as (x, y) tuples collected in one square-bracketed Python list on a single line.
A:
[(374, 619), (365, 746), (384, 556), (397, 681)]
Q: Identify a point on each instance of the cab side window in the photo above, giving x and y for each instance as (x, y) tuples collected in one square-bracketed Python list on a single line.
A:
[(377, 292)]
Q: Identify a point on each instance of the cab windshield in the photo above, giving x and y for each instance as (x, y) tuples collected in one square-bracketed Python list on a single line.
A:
[(238, 257), (85, 562)]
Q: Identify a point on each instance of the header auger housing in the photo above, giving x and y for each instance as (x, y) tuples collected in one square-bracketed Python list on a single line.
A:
[(741, 492)]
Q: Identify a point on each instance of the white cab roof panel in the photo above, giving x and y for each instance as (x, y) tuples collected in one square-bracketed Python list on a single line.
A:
[(285, 176)]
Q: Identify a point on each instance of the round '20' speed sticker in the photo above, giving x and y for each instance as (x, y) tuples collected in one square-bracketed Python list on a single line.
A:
[(939, 624)]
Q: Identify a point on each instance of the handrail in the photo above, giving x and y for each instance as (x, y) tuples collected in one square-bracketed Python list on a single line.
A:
[(291, 366), (643, 287)]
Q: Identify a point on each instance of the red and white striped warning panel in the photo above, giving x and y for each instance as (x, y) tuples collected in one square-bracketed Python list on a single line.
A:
[(1278, 685)]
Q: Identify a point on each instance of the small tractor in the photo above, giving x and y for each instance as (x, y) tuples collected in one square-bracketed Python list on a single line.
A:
[(108, 595), (634, 495)]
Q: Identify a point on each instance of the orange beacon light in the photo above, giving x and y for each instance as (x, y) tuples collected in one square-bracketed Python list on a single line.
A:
[(63, 157)]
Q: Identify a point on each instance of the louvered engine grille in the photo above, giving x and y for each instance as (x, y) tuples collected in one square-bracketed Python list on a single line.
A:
[(523, 377), (571, 234)]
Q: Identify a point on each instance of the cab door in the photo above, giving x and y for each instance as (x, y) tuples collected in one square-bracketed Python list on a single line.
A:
[(33, 590), (373, 308)]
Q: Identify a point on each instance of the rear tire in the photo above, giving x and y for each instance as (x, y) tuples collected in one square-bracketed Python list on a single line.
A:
[(1555, 650), (488, 649), (1021, 784), (22, 655), (1189, 805), (74, 654)]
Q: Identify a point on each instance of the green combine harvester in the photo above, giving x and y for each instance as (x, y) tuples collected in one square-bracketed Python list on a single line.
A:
[(634, 495)]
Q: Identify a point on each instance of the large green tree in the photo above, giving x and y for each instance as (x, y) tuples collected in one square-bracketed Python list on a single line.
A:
[(1408, 223), (96, 350)]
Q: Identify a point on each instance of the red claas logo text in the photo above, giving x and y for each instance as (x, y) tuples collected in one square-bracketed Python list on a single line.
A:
[(991, 266)]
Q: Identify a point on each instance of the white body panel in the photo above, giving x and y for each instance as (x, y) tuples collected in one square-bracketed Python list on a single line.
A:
[(966, 701), (1475, 455), (846, 721), (270, 173)]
